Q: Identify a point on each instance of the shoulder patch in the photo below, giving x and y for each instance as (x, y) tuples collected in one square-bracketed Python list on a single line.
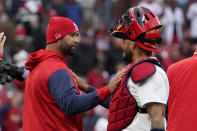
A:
[(142, 71)]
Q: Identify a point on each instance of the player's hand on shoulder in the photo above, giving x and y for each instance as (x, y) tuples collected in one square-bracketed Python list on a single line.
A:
[(81, 84), (113, 84)]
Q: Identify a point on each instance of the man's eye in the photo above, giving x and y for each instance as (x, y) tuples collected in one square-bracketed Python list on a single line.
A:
[(74, 34)]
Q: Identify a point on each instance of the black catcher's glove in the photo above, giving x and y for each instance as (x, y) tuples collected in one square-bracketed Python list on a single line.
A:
[(9, 72)]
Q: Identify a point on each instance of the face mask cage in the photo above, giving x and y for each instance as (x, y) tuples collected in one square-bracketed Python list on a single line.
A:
[(125, 22), (122, 28)]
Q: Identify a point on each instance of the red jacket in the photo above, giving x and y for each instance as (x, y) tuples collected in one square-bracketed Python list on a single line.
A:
[(182, 107), (41, 112)]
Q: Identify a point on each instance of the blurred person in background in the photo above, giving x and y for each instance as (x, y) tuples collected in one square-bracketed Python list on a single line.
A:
[(192, 17), (182, 110), (101, 124), (59, 6), (173, 57), (11, 114), (87, 9), (20, 41), (118, 66), (29, 16), (20, 58), (153, 5), (3, 15), (183, 3), (90, 119), (95, 119), (7, 26), (186, 49), (74, 11), (104, 11), (119, 7), (97, 76), (51, 92), (101, 42), (139, 102), (173, 20)]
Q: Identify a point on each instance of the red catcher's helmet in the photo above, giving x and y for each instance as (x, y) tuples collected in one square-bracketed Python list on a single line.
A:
[(141, 25)]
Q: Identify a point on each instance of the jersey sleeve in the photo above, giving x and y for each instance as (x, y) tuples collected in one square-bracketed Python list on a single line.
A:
[(154, 89), (65, 95)]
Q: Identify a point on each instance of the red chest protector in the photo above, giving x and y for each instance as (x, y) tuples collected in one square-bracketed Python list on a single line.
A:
[(123, 106)]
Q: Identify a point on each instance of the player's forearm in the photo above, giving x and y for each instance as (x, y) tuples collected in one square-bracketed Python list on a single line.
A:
[(157, 112), (157, 120)]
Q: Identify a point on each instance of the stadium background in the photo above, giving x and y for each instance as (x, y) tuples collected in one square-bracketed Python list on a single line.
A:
[(99, 55)]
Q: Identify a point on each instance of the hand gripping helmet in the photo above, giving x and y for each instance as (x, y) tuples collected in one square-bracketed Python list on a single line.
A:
[(141, 25)]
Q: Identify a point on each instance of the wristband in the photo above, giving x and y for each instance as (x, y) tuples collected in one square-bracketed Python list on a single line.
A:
[(157, 129), (103, 93)]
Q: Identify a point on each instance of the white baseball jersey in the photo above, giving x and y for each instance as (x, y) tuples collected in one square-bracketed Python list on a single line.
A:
[(154, 89)]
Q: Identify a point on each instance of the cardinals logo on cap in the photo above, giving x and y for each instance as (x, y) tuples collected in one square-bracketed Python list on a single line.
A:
[(57, 36)]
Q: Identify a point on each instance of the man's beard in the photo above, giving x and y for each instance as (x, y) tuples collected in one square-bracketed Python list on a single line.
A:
[(69, 49), (128, 56)]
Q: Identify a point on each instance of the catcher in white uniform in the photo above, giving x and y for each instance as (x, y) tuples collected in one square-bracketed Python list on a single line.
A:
[(140, 99), (139, 102)]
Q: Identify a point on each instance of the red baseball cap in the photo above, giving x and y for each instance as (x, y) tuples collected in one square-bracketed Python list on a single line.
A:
[(59, 27)]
